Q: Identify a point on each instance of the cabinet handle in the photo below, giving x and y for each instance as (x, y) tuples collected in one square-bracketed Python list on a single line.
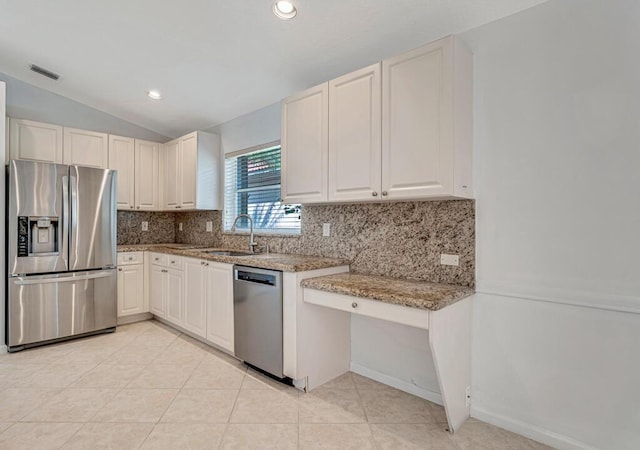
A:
[(384, 193), (157, 259), (354, 305), (178, 206), (119, 269), (132, 206), (374, 193), (206, 264), (138, 207)]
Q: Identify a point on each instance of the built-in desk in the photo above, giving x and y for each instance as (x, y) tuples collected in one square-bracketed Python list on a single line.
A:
[(444, 310)]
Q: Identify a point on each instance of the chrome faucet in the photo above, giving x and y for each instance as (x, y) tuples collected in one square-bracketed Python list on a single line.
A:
[(252, 244)]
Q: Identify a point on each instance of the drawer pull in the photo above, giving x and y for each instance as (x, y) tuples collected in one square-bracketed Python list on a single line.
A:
[(119, 269), (354, 305), (157, 259)]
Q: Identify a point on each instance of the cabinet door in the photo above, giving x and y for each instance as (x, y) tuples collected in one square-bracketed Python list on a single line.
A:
[(130, 290), (417, 155), (195, 317), (35, 141), (147, 175), (172, 175), (122, 159), (188, 170), (354, 135), (85, 148), (158, 291), (220, 305), (305, 132), (175, 302)]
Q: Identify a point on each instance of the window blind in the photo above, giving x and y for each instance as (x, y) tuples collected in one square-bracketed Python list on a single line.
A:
[(252, 186)]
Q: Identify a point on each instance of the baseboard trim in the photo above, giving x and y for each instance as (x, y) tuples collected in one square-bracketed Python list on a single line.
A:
[(536, 433), (125, 320), (402, 385)]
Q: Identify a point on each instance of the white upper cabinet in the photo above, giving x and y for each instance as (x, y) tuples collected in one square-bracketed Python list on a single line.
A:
[(137, 163), (35, 141), (427, 122), (192, 172), (147, 184), (397, 130), (188, 170), (171, 156), (354, 135), (122, 159), (85, 148), (304, 139)]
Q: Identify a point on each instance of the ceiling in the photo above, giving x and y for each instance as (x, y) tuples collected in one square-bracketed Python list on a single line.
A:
[(214, 60)]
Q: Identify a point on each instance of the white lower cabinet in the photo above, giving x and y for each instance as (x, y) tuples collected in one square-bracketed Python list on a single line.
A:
[(220, 305), (194, 294), (175, 298), (208, 301), (195, 300), (166, 291), (131, 284), (158, 291), (130, 290)]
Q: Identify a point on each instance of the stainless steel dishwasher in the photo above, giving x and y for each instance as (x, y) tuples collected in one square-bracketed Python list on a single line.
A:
[(257, 308)]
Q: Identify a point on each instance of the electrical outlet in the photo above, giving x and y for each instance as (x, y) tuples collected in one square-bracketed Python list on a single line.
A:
[(180, 226), (145, 226), (326, 229), (468, 396), (449, 260), (209, 226)]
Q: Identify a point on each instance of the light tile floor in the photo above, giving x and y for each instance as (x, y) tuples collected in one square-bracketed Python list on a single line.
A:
[(148, 386)]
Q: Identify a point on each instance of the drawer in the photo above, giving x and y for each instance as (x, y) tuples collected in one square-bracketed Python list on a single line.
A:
[(413, 317), (159, 259), (175, 262), (126, 258), (165, 260)]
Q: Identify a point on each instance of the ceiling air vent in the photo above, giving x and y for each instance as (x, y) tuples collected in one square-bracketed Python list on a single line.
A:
[(44, 72)]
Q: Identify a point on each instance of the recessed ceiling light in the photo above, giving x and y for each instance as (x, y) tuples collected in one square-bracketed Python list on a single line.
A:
[(154, 95), (284, 9)]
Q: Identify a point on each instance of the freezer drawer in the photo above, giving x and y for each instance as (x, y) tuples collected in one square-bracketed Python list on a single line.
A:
[(46, 307)]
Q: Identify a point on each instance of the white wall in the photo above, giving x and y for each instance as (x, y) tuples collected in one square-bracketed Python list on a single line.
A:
[(26, 101), (256, 128), (557, 164), (3, 138)]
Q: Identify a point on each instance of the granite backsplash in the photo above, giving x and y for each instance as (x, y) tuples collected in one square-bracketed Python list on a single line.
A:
[(391, 239), (162, 227)]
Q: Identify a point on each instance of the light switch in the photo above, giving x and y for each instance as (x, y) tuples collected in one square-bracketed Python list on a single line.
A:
[(180, 226), (209, 226), (449, 260), (145, 226), (326, 229)]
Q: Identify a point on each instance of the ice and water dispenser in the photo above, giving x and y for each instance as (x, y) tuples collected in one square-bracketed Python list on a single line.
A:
[(38, 236)]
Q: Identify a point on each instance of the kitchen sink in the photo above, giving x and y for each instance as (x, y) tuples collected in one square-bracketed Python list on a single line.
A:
[(225, 253)]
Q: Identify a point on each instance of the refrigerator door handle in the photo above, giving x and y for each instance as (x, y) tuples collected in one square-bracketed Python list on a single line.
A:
[(88, 276), (73, 232), (64, 251)]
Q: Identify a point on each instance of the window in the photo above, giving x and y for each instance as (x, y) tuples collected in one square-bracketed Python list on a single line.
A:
[(252, 186)]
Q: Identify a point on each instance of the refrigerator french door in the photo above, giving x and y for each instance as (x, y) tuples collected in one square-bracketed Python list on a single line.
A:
[(61, 252)]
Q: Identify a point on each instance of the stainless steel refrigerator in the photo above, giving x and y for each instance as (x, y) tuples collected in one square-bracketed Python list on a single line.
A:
[(61, 252)]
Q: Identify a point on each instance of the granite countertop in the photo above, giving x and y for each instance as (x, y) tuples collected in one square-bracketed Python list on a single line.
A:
[(415, 294), (272, 261)]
